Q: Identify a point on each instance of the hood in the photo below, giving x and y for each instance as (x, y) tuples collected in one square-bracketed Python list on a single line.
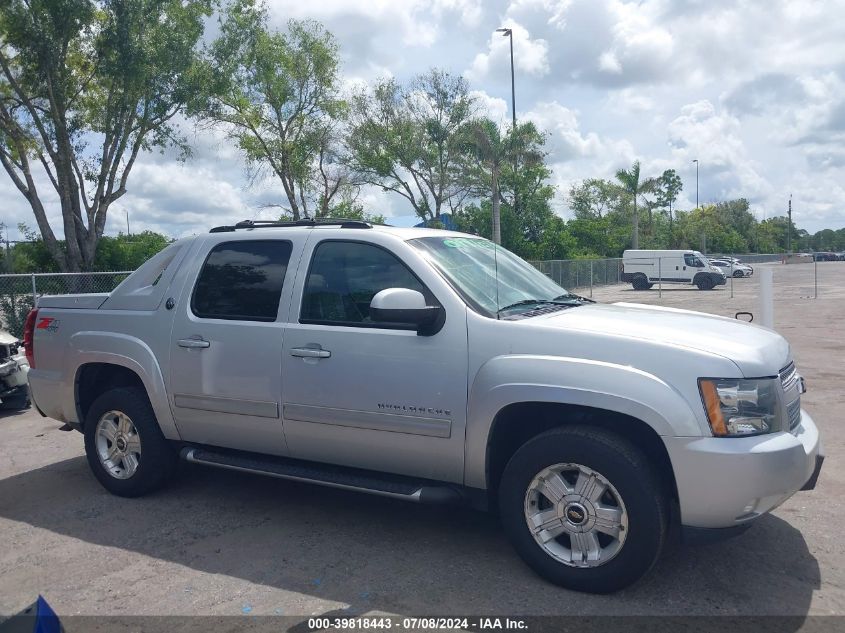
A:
[(757, 351), (6, 338)]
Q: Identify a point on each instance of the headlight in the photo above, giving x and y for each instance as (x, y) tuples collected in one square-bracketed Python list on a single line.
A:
[(737, 407)]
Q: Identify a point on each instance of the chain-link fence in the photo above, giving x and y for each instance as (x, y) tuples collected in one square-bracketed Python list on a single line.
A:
[(581, 273), (19, 292), (588, 273)]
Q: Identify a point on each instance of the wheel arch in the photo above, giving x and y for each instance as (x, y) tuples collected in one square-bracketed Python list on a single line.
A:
[(130, 362), (509, 431), (511, 400)]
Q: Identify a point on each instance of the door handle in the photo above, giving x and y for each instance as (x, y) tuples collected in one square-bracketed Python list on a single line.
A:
[(193, 343), (310, 352)]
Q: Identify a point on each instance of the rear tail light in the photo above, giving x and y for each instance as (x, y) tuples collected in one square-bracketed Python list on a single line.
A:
[(29, 336)]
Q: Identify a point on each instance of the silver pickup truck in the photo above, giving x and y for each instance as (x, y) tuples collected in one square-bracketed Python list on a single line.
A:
[(434, 367)]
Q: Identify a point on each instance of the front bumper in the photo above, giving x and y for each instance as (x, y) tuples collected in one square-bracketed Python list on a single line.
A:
[(726, 482), (18, 392)]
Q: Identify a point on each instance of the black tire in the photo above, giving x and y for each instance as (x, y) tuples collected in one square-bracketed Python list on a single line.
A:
[(640, 282), (629, 472), (738, 273), (16, 403), (157, 458), (705, 283)]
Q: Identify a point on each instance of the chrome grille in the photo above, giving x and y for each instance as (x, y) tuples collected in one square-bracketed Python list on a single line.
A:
[(788, 376), (793, 412), (789, 381)]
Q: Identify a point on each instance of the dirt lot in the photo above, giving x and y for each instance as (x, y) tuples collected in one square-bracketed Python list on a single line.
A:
[(217, 542)]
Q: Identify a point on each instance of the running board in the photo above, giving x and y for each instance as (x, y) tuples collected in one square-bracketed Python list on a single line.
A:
[(382, 484)]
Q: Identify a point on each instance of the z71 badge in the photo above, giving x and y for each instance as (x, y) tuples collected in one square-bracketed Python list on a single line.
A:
[(48, 323)]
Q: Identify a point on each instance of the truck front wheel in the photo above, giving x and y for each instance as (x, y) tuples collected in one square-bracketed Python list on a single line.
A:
[(125, 448), (705, 283), (584, 509)]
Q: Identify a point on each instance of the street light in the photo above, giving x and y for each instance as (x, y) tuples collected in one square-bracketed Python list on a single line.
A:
[(696, 182), (509, 33), (789, 227)]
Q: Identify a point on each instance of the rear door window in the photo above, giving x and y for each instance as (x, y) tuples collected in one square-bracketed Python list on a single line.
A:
[(242, 281)]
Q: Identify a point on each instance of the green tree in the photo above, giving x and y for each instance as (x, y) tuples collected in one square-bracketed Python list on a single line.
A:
[(491, 153), (128, 252), (409, 140), (635, 187), (85, 86), (667, 188), (705, 228), (31, 255), (277, 95), (594, 198)]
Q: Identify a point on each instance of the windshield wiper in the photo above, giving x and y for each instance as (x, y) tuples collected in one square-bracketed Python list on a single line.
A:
[(578, 299), (531, 302)]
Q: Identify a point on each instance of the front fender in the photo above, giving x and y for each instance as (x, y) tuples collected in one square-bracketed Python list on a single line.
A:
[(512, 379), (126, 351)]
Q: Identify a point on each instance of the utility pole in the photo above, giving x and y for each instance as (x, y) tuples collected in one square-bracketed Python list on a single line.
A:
[(789, 227), (696, 182), (509, 34), (127, 223)]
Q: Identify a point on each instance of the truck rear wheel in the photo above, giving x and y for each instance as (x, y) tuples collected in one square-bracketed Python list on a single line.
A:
[(124, 445), (584, 509), (640, 282)]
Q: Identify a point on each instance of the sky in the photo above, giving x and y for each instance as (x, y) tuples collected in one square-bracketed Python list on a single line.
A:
[(755, 90)]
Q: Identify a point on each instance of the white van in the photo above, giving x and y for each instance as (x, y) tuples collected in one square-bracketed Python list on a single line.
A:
[(643, 269)]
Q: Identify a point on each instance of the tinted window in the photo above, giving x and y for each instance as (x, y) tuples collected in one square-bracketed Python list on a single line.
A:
[(344, 277), (242, 280), (691, 260)]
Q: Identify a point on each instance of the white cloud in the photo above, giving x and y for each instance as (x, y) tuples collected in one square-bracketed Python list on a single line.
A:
[(532, 57), (715, 139), (566, 141), (493, 107), (754, 90)]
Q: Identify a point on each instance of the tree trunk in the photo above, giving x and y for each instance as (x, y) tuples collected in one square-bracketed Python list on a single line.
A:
[(635, 242), (671, 238), (497, 220)]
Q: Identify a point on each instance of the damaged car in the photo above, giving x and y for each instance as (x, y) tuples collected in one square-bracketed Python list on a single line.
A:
[(14, 368)]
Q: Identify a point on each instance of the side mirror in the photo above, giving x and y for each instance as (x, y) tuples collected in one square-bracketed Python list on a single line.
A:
[(405, 307)]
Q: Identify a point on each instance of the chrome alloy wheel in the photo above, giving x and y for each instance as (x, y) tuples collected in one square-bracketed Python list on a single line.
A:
[(118, 444), (576, 515)]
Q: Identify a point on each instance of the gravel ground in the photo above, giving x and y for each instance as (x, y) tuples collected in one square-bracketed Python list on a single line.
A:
[(224, 543)]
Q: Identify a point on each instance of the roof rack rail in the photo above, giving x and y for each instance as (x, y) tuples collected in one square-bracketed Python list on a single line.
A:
[(344, 223)]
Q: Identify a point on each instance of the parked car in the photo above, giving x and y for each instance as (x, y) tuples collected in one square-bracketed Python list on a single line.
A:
[(825, 257), (14, 390), (644, 268), (732, 268), (434, 367)]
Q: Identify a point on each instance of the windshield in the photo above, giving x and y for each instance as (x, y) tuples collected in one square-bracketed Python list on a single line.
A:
[(470, 265)]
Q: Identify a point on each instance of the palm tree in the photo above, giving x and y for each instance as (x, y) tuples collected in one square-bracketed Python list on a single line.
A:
[(490, 152), (630, 181), (487, 150)]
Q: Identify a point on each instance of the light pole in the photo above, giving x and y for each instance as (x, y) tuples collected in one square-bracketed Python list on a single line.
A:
[(509, 33), (696, 182), (789, 227)]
